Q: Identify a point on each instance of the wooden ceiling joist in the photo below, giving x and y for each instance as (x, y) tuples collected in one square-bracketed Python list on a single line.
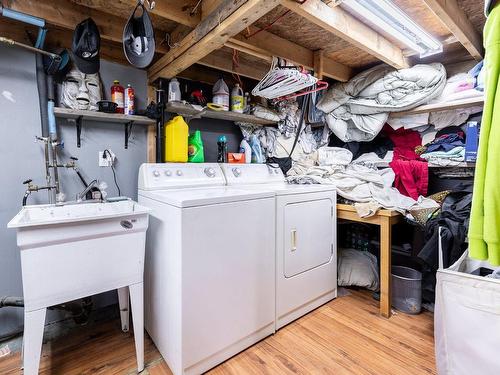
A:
[(339, 22), (179, 11), (265, 45), (227, 20), (449, 12), (67, 15), (222, 61)]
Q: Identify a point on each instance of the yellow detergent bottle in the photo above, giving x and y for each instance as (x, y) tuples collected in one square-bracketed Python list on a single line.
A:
[(176, 140)]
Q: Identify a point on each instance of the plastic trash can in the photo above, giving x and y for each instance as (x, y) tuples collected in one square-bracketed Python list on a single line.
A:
[(406, 289)]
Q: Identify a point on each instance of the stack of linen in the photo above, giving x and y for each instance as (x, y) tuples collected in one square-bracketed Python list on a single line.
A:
[(447, 149)]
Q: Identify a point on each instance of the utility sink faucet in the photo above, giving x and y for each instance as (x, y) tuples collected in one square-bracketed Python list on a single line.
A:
[(82, 195)]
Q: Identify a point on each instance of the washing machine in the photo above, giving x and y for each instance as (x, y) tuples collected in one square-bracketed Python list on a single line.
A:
[(306, 250), (210, 265)]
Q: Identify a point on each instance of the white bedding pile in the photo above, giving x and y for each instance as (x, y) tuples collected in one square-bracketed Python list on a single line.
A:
[(357, 110)]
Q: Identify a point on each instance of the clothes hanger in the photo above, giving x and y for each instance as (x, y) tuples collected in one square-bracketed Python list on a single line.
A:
[(284, 79)]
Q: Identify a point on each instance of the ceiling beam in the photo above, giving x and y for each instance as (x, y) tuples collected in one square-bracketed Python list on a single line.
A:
[(455, 19), (208, 6), (265, 45), (66, 15), (227, 20), (174, 10), (339, 22), (223, 61)]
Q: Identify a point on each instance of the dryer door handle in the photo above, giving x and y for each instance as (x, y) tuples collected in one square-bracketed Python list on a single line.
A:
[(294, 239)]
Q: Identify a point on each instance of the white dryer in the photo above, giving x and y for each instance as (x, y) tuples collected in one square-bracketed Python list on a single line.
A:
[(306, 250), (210, 265)]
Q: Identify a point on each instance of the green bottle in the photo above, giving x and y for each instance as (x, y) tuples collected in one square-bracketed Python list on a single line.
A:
[(195, 148)]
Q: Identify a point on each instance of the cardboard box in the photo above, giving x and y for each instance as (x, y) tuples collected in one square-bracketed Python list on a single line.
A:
[(472, 141)]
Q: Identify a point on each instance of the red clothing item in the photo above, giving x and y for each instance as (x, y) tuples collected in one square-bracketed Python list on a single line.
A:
[(412, 177), (404, 141)]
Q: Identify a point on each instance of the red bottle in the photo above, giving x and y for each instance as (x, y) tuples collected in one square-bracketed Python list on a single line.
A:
[(118, 96)]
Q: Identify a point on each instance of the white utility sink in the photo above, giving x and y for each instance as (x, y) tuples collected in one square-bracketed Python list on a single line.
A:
[(78, 250), (54, 214)]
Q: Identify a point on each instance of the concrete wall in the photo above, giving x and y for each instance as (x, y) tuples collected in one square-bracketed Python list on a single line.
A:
[(22, 158)]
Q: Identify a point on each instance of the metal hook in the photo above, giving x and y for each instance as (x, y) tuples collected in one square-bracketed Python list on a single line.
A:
[(151, 4)]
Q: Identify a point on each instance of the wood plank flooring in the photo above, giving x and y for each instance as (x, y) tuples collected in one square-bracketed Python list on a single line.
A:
[(345, 336)]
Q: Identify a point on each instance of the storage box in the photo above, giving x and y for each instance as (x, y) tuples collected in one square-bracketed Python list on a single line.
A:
[(472, 141)]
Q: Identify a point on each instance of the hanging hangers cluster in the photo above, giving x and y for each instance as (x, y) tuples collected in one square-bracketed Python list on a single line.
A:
[(285, 81)]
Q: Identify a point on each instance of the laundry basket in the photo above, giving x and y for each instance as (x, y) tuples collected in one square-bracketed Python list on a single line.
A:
[(406, 289), (467, 319)]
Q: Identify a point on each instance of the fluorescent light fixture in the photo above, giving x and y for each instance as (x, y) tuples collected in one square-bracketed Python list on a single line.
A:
[(391, 19)]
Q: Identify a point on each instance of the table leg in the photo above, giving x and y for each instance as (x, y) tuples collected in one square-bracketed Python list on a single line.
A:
[(385, 266), (123, 302), (34, 323), (137, 302)]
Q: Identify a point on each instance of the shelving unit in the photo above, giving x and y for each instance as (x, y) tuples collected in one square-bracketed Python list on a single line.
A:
[(189, 110), (78, 116), (445, 106)]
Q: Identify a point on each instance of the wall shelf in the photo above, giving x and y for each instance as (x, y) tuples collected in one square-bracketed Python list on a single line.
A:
[(78, 116), (189, 110), (462, 164), (437, 107)]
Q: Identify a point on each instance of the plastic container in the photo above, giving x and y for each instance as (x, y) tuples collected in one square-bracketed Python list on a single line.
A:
[(195, 148), (129, 100), (247, 150), (406, 289), (176, 140), (246, 102), (237, 99), (257, 156), (118, 96), (174, 91), (220, 94), (222, 149)]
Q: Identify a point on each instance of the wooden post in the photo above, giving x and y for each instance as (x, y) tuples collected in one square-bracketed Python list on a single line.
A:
[(151, 137), (385, 265), (318, 63)]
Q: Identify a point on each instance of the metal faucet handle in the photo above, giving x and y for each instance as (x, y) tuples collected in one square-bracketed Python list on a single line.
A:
[(27, 182)]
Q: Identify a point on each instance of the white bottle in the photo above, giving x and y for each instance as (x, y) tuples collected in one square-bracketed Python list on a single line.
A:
[(247, 150), (220, 94), (174, 91), (237, 99)]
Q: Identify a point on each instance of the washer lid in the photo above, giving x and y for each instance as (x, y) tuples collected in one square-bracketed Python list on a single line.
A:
[(205, 196)]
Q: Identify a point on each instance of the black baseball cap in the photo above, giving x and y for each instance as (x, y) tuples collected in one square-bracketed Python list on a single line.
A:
[(139, 38), (85, 47)]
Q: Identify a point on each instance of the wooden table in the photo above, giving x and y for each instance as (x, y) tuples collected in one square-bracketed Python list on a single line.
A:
[(385, 219)]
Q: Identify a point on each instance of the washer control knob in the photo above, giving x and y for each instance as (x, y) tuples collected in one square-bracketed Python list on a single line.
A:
[(179, 172), (156, 173), (168, 173), (210, 172), (237, 172)]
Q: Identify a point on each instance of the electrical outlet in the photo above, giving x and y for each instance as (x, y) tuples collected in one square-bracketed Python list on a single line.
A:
[(105, 160)]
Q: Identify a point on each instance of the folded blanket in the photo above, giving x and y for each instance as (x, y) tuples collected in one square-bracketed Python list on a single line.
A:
[(455, 154), (357, 110)]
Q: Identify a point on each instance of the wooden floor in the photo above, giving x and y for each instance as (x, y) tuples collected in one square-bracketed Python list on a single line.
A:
[(345, 336)]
